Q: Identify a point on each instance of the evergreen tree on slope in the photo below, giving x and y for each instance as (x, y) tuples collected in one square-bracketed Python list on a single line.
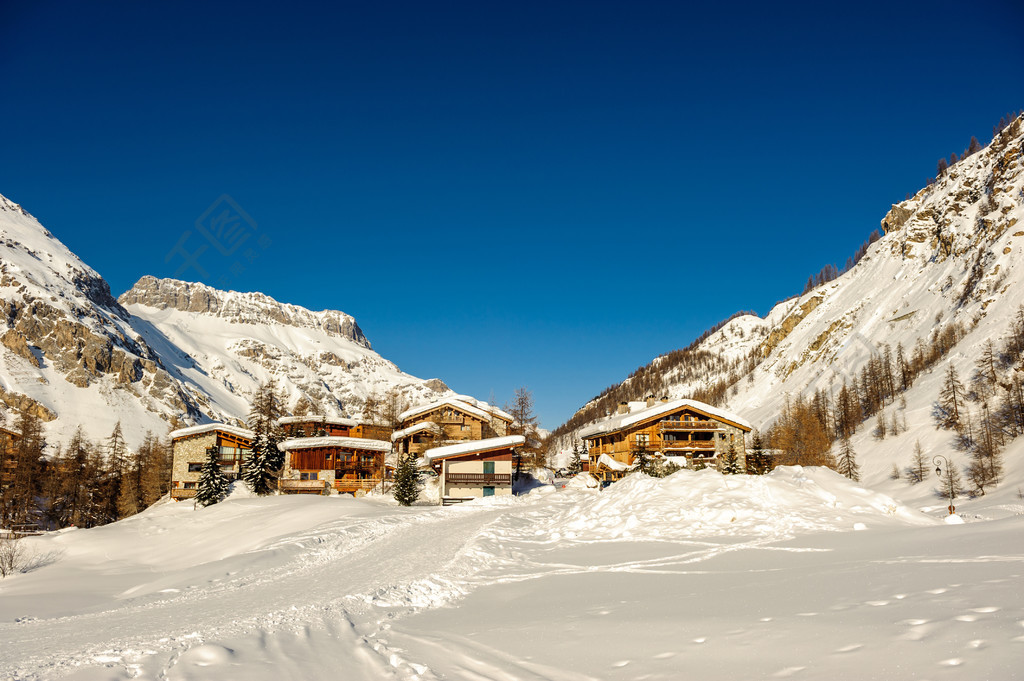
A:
[(212, 485)]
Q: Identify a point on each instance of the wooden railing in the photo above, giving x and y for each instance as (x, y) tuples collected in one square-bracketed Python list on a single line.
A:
[(345, 485), (688, 444), (301, 485), (688, 425), (182, 493), (478, 478)]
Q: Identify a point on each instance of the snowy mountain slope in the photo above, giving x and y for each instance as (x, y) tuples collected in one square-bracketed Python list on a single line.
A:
[(68, 345), (226, 343), (950, 254), (74, 355)]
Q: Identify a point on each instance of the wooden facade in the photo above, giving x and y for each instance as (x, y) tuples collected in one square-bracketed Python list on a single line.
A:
[(687, 429), (328, 426), (316, 465), (190, 447), (456, 421), (475, 469)]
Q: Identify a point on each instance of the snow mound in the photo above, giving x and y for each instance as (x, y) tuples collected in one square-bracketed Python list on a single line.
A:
[(789, 501)]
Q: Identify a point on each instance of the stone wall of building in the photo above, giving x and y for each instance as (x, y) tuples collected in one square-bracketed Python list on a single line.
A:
[(189, 450)]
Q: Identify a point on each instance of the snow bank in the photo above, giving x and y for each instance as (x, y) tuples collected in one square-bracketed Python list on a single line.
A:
[(706, 503)]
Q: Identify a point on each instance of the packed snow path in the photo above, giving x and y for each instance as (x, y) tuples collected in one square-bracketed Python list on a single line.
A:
[(696, 575)]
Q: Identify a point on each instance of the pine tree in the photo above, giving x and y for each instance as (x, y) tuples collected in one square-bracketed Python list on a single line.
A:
[(950, 484), (128, 497), (117, 464), (949, 408), (266, 460), (212, 485), (918, 470), (846, 462), (731, 462), (974, 147), (406, 486), (575, 463), (757, 460)]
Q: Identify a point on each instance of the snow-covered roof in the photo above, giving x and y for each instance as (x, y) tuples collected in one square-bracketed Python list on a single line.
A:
[(315, 418), (483, 411), (620, 421), (609, 462), (212, 428), (411, 430), (349, 442), (474, 446)]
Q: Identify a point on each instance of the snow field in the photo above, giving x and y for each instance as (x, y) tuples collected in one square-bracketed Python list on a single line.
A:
[(695, 575)]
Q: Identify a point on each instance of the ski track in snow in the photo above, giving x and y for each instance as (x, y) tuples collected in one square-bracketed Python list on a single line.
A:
[(370, 594)]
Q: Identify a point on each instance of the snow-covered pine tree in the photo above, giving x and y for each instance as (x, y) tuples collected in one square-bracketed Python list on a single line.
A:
[(731, 462), (266, 460), (406, 487), (575, 466), (846, 464), (212, 485), (757, 458)]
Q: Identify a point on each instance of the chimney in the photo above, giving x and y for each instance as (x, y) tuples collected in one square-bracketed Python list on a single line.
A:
[(623, 408), (651, 401), (664, 398)]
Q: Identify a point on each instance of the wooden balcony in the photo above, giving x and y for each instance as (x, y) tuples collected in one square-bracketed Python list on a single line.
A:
[(667, 426), (688, 444), (478, 479), (181, 493)]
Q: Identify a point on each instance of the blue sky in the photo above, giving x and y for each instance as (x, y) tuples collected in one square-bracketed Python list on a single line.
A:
[(536, 194)]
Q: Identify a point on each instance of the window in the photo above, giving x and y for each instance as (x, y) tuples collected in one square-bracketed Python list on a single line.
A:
[(189, 485), (643, 439), (488, 491), (488, 468), (195, 468), (307, 476)]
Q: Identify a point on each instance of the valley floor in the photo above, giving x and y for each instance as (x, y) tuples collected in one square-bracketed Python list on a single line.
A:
[(798, 574)]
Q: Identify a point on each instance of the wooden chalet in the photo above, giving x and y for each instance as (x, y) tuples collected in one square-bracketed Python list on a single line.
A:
[(475, 469), (449, 420), (317, 465), (190, 447), (687, 431), (331, 426)]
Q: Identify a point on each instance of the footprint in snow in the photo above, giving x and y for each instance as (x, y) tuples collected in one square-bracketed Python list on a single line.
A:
[(987, 609), (850, 648), (788, 671)]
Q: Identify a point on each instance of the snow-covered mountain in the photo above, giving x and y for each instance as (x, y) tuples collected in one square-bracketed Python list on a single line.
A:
[(74, 355), (226, 343), (949, 255)]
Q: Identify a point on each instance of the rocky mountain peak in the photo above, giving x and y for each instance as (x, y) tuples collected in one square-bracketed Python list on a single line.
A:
[(239, 308)]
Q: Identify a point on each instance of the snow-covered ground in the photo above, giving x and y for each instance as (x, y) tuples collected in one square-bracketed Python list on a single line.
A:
[(798, 574)]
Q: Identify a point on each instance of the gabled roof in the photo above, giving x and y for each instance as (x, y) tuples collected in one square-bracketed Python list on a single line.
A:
[(473, 447), (481, 411), (213, 428), (412, 430), (329, 441), (621, 421), (317, 418)]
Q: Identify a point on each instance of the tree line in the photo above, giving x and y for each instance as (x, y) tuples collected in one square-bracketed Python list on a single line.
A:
[(809, 426), (987, 411), (81, 483)]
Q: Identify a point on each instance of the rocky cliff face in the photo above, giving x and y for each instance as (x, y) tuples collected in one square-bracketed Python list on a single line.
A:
[(239, 308)]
